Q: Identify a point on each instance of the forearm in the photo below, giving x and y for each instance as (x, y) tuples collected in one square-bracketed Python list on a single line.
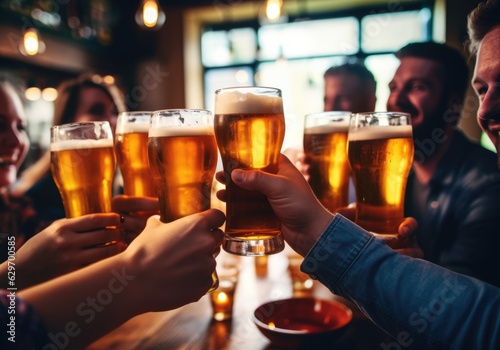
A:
[(83, 306), (419, 303)]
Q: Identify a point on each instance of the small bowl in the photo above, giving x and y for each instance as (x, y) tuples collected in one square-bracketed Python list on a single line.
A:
[(297, 322)]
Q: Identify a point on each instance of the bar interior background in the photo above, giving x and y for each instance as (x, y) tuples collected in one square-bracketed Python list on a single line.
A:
[(206, 44)]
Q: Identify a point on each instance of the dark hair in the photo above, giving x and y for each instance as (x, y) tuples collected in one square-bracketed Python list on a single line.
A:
[(480, 21), (69, 93), (453, 63), (357, 69)]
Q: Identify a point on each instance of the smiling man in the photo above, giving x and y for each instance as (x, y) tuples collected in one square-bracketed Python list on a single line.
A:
[(455, 182)]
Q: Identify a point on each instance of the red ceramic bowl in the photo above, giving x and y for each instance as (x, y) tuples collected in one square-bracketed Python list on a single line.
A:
[(302, 322)]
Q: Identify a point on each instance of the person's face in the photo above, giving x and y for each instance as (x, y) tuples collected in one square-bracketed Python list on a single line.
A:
[(95, 105), (486, 83), (417, 89), (345, 93), (14, 142)]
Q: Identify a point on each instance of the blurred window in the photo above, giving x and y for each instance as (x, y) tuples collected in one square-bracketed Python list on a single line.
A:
[(309, 38), (223, 48), (293, 56), (390, 31)]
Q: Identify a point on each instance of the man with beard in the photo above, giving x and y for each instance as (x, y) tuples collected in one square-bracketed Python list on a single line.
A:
[(455, 183)]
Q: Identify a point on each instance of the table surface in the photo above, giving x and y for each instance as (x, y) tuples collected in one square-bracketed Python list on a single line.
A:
[(192, 327)]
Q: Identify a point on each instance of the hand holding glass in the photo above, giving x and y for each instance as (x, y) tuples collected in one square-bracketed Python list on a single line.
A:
[(380, 149), (183, 158), (249, 127)]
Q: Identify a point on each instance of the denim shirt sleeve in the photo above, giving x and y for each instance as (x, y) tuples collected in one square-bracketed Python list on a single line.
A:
[(422, 305)]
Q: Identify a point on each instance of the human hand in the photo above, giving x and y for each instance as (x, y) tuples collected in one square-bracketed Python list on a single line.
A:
[(135, 212), (174, 261), (406, 234), (67, 245), (303, 218), (404, 242), (302, 163)]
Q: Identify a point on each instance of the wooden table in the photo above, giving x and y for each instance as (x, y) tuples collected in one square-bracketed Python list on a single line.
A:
[(192, 327)]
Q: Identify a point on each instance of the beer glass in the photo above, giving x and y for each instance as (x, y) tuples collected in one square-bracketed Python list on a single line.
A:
[(82, 161), (183, 158), (249, 128), (380, 149), (131, 147), (325, 145)]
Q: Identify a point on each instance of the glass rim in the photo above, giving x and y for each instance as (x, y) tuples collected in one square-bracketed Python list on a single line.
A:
[(127, 113), (74, 124), (327, 113), (383, 113), (180, 111), (248, 87)]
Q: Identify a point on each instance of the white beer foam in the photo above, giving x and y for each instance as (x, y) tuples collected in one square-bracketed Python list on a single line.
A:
[(233, 102), (132, 128), (327, 128), (193, 130), (80, 144), (380, 132)]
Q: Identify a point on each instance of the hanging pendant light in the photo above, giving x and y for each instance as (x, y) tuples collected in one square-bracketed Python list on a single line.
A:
[(149, 15), (272, 12), (31, 43)]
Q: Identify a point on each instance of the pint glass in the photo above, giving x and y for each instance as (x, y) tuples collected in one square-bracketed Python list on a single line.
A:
[(82, 161), (249, 127), (131, 147), (380, 149), (325, 145), (183, 158)]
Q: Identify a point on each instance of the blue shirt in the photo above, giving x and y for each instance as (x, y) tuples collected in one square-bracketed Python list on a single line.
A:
[(422, 305)]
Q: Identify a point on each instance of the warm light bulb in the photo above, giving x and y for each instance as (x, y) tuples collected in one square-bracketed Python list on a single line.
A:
[(32, 93), (273, 10), (149, 15), (49, 94), (31, 44)]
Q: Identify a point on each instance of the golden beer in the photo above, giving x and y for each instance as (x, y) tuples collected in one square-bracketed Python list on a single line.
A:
[(183, 158), (83, 170), (380, 157), (183, 162), (131, 146), (325, 146), (249, 128)]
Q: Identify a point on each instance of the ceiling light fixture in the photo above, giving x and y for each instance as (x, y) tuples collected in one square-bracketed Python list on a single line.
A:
[(272, 12), (31, 43), (150, 15)]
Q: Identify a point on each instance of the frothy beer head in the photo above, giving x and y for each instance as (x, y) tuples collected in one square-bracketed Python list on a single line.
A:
[(129, 128), (239, 102), (198, 130), (80, 144), (380, 132), (328, 128)]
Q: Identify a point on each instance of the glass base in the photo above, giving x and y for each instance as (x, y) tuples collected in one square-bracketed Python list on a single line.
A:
[(255, 247), (215, 283)]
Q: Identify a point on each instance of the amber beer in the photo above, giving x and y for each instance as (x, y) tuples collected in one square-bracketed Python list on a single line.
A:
[(380, 156), (249, 127), (325, 146), (83, 170), (183, 160), (131, 147)]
